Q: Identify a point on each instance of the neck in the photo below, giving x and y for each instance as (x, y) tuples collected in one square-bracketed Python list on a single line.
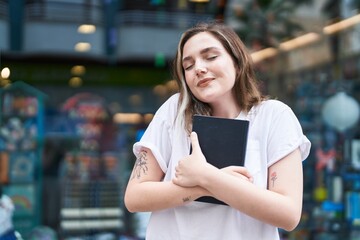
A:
[(226, 111)]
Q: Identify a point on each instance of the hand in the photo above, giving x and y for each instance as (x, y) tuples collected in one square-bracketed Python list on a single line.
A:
[(237, 171), (187, 172)]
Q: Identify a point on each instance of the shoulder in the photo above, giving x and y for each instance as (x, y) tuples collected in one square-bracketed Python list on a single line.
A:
[(171, 102), (274, 104), (168, 110), (174, 99), (270, 110), (271, 106)]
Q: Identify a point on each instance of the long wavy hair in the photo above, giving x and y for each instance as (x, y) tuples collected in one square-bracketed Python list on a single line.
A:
[(246, 86)]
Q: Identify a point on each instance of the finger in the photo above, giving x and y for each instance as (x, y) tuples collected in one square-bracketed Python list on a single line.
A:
[(175, 181), (195, 142)]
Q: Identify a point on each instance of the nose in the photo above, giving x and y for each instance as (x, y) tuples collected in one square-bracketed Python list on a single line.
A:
[(200, 69)]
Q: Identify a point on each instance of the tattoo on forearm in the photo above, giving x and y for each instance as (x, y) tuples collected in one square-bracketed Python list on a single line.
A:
[(140, 165), (273, 177), (187, 199)]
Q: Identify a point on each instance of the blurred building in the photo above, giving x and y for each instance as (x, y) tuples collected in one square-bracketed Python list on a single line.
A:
[(83, 78)]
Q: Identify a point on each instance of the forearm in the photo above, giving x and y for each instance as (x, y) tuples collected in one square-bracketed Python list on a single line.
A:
[(152, 196), (267, 206)]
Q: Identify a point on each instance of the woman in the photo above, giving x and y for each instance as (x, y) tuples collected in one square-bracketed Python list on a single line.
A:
[(216, 78)]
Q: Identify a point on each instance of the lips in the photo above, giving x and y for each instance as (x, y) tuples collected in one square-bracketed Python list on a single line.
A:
[(204, 82)]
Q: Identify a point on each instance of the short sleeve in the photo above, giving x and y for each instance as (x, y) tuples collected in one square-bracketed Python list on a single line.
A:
[(286, 135), (157, 137)]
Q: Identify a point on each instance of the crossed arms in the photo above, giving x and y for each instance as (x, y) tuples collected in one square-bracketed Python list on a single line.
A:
[(279, 205)]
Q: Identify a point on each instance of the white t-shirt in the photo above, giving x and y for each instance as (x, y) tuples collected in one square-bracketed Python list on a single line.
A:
[(274, 132)]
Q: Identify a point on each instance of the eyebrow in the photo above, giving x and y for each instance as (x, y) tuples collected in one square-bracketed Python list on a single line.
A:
[(205, 50)]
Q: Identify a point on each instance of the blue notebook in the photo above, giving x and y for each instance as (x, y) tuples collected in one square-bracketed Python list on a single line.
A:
[(223, 142)]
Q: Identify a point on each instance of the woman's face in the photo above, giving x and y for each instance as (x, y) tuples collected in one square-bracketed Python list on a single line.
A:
[(209, 69)]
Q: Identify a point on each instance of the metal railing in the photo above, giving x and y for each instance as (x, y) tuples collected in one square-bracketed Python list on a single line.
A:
[(92, 13), (58, 11), (160, 19)]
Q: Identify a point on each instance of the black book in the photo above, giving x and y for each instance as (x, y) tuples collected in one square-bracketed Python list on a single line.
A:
[(222, 141)]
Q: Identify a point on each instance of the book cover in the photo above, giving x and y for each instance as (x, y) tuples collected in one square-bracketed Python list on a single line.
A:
[(223, 142)]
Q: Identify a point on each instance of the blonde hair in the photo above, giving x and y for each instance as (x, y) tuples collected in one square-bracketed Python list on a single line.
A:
[(246, 87)]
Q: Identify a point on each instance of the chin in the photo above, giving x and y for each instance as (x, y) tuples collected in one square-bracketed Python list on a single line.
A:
[(206, 99)]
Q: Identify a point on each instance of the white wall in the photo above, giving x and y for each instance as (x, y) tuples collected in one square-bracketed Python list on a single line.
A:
[(132, 41), (59, 37), (138, 41)]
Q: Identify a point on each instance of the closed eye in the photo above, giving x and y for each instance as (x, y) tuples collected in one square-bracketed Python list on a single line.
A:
[(212, 57), (188, 67)]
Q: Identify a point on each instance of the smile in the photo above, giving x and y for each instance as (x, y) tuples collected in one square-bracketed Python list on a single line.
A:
[(205, 82)]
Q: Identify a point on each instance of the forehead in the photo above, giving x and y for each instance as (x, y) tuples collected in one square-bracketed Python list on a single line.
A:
[(201, 41)]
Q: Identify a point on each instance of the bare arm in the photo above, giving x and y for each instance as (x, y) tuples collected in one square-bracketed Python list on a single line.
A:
[(147, 192), (279, 205)]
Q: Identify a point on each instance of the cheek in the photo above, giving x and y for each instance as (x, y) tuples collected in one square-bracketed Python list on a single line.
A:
[(230, 74), (189, 79), (232, 77)]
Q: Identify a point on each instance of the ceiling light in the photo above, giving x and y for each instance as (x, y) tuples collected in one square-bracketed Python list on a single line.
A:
[(86, 28), (199, 1), (75, 82), (5, 73), (78, 70), (128, 118), (82, 47)]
